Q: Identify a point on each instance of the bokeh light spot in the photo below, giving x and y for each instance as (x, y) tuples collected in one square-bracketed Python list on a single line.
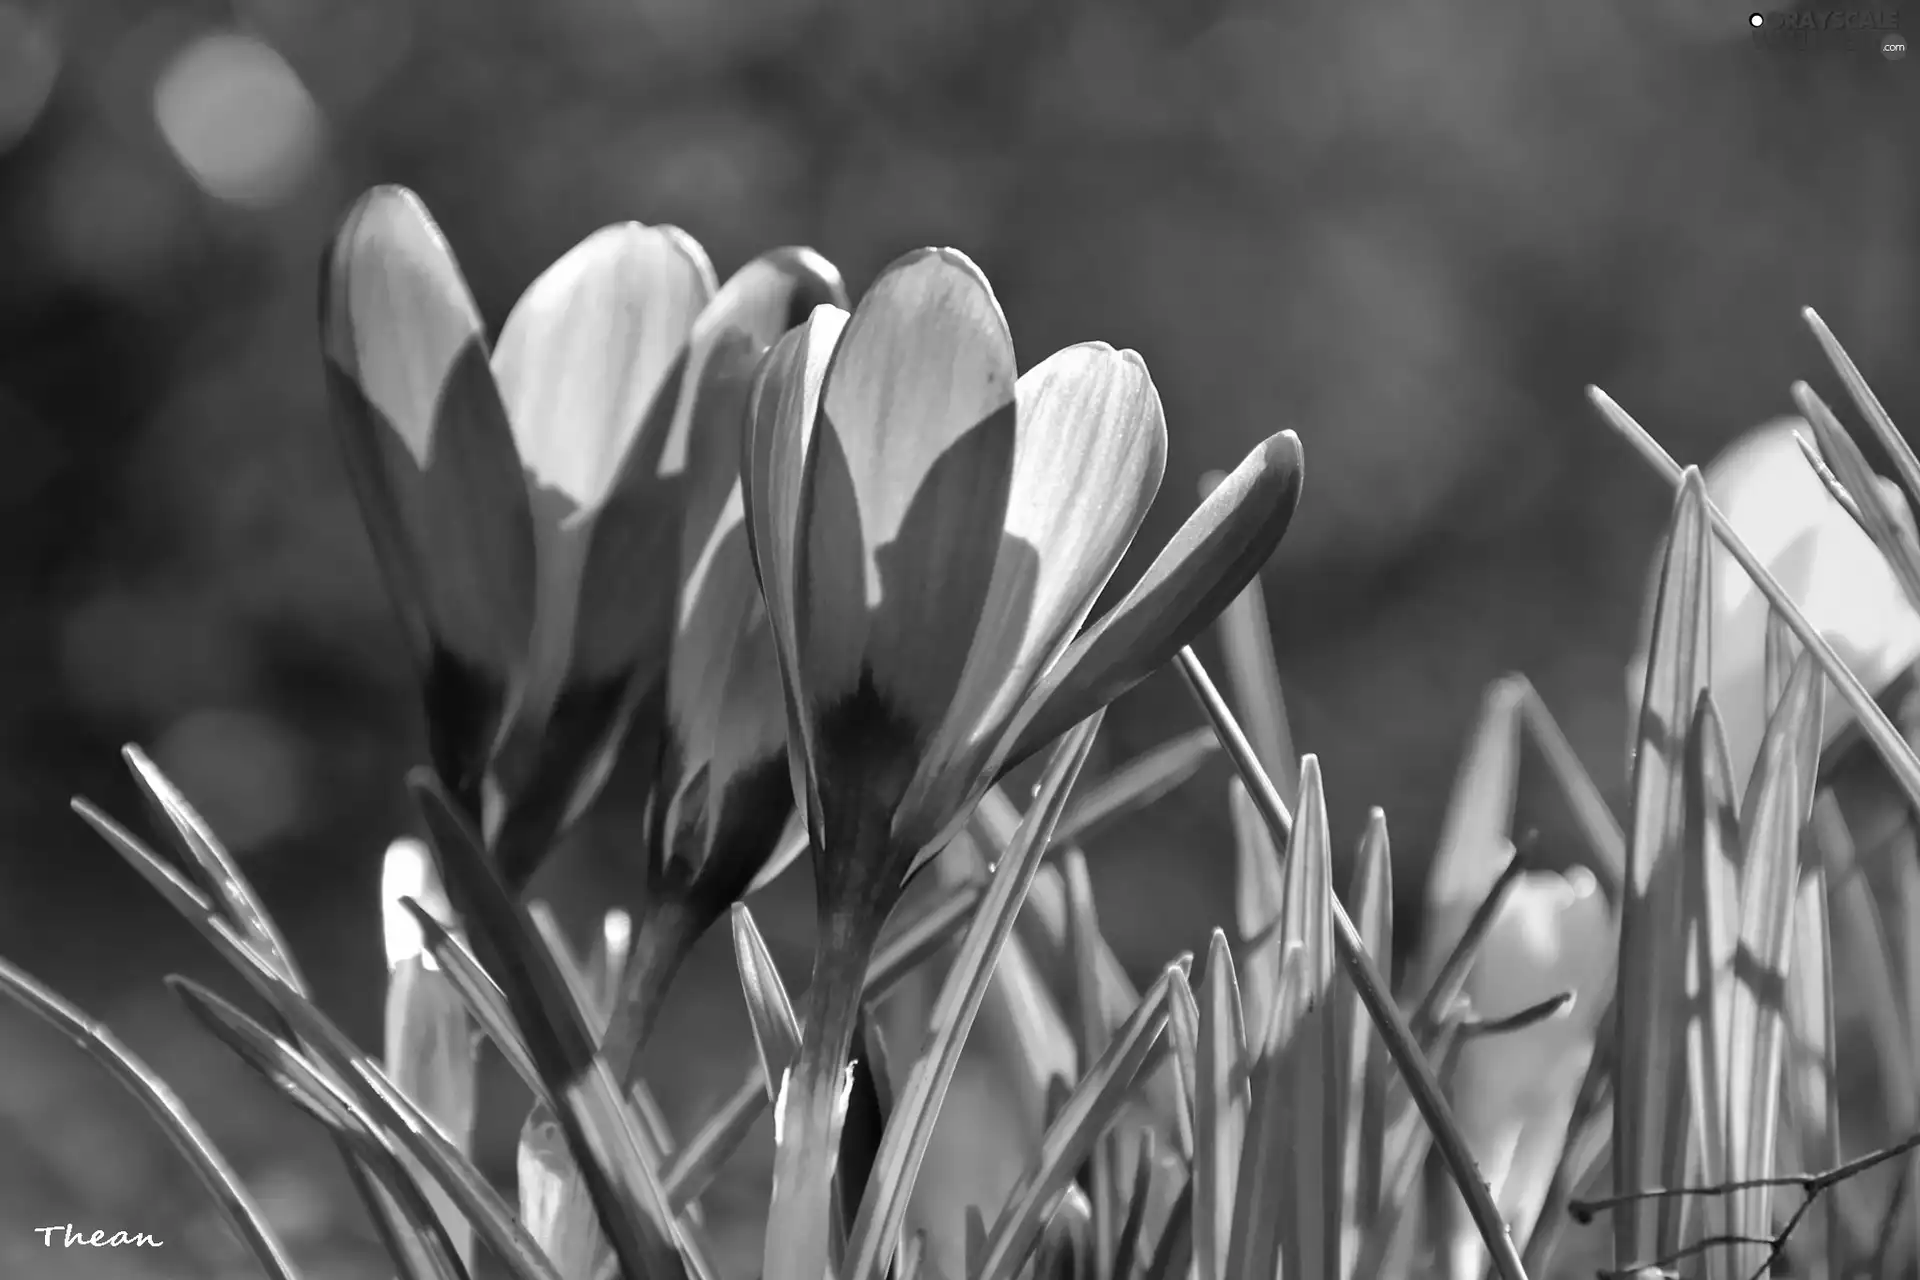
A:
[(29, 66), (238, 119), (241, 769)]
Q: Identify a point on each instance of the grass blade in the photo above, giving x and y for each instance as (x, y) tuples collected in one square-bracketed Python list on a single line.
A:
[(1649, 1138), (1288, 1208), (1606, 843), (1364, 1105), (1892, 748), (1219, 1110), (1754, 1042), (611, 1150), (1259, 891), (1253, 676), (1092, 1033), (483, 999), (912, 936), (1708, 931), (1126, 1246), (1093, 1105), (1021, 1020), (776, 1031), (1869, 506), (1065, 1249), (1905, 464), (433, 1253), (267, 975), (1812, 1089), (877, 1228), (1148, 777), (163, 1105), (214, 869)]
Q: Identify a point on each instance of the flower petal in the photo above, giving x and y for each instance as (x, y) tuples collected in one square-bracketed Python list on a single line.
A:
[(586, 364), (782, 411), (906, 489), (428, 449), (1209, 561), (727, 722), (775, 292), (589, 347), (1089, 453)]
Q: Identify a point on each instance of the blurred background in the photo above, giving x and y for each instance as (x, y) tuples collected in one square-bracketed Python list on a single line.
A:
[(1409, 231)]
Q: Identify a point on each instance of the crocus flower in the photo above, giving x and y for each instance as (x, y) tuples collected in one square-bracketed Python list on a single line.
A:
[(930, 534), (721, 798), (518, 500), (1513, 1093)]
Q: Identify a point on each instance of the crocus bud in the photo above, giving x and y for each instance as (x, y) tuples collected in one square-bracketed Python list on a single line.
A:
[(1771, 496), (432, 462)]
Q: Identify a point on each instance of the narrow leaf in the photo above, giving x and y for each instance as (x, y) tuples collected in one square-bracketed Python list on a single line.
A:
[(1253, 675), (1219, 1110), (175, 1121), (1090, 1109), (877, 1229), (1651, 1057), (776, 1031)]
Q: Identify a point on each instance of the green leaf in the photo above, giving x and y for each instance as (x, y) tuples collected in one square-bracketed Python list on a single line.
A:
[(1173, 1255), (877, 1229), (1812, 1090), (1707, 928), (776, 1031), (1092, 1031), (1126, 1247), (1870, 506), (1065, 1250), (1259, 888), (1090, 1109), (482, 996), (1219, 1110), (100, 1044), (214, 923), (913, 935), (1288, 1203), (1148, 777), (1649, 1133), (1888, 743), (403, 1123), (615, 1157), (1253, 675), (1753, 1037), (1364, 1105), (212, 866), (1888, 436), (430, 1216)]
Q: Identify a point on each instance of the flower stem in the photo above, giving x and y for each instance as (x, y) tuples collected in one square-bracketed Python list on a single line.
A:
[(856, 891), (663, 938)]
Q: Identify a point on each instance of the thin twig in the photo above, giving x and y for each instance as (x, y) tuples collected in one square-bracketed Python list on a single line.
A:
[(1811, 1186)]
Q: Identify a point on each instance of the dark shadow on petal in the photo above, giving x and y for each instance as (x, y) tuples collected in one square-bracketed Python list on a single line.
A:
[(627, 588), (454, 543), (953, 529)]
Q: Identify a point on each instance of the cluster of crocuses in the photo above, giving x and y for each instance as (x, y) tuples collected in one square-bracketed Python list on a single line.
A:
[(832, 562)]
